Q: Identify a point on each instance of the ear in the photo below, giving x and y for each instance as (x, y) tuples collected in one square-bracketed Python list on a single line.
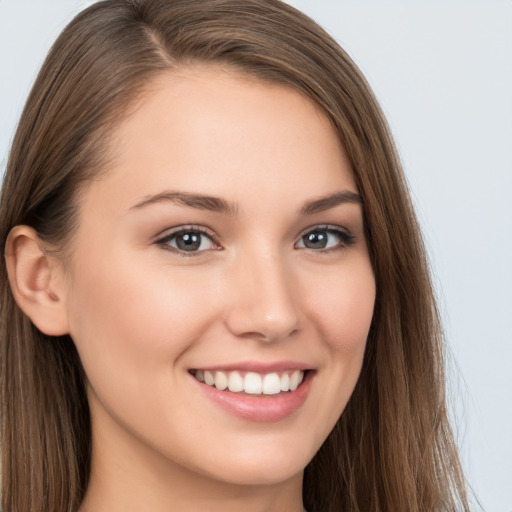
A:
[(36, 281)]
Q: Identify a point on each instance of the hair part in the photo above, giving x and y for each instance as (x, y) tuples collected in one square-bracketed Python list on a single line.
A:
[(392, 448)]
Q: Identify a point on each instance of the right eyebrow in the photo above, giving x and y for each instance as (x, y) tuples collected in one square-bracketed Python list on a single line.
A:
[(330, 201), (199, 201)]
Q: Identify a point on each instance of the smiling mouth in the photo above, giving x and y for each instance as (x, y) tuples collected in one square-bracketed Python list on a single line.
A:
[(251, 383)]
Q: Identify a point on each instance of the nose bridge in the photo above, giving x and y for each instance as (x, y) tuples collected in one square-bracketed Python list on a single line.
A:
[(263, 304)]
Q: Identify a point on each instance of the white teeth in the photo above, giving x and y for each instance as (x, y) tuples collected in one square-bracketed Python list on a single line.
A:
[(296, 379), (209, 378), (271, 384), (285, 382), (236, 382), (252, 383), (221, 380)]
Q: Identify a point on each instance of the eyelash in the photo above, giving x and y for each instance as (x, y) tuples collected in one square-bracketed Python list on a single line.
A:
[(346, 239), (163, 242)]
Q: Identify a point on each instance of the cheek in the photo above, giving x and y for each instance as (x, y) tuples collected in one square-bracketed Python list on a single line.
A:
[(129, 314), (343, 307)]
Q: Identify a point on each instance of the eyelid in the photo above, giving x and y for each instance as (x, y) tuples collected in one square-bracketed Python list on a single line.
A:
[(347, 238), (184, 228), (170, 233)]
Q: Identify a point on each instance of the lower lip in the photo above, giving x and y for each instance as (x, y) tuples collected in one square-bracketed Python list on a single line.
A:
[(259, 408)]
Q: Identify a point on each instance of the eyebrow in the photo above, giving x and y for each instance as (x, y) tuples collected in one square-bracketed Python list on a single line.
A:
[(199, 201), (218, 205), (326, 203)]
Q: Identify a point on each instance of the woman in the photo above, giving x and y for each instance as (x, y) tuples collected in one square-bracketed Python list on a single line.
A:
[(214, 294)]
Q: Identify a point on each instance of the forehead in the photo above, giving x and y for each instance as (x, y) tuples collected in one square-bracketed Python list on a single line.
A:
[(218, 132)]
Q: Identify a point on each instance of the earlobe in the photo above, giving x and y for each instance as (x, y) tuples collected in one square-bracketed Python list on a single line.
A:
[(31, 276)]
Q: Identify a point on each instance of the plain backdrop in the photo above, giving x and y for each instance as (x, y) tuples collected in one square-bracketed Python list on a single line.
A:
[(442, 71)]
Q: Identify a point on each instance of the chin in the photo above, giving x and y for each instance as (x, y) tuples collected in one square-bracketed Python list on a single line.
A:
[(269, 467)]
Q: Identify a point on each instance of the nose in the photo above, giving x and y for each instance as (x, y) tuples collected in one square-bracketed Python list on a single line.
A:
[(263, 305)]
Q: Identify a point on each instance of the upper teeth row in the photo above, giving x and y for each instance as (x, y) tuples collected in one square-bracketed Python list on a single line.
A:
[(252, 382)]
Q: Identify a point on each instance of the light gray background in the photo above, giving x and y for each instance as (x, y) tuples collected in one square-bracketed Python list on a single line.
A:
[(443, 73)]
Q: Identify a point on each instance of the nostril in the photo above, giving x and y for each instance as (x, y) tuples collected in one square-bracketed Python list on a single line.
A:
[(248, 324)]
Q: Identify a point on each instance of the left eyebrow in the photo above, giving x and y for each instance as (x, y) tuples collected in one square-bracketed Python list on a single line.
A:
[(199, 201), (325, 203)]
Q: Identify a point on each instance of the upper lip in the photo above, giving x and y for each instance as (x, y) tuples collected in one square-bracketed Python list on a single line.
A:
[(258, 366)]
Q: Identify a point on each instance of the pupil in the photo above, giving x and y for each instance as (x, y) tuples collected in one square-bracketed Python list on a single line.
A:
[(189, 241), (315, 240)]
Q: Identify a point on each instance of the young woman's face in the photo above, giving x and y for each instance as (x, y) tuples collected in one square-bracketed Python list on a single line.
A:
[(225, 244)]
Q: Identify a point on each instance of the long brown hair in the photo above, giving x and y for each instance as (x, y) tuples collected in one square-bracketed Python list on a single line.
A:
[(392, 449)]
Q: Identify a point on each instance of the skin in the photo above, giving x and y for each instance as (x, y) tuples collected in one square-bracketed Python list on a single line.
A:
[(142, 315)]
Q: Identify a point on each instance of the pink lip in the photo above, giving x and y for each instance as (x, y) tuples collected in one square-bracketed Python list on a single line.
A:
[(260, 408), (259, 367)]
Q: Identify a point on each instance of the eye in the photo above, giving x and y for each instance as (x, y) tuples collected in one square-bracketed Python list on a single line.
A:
[(188, 240), (325, 238)]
